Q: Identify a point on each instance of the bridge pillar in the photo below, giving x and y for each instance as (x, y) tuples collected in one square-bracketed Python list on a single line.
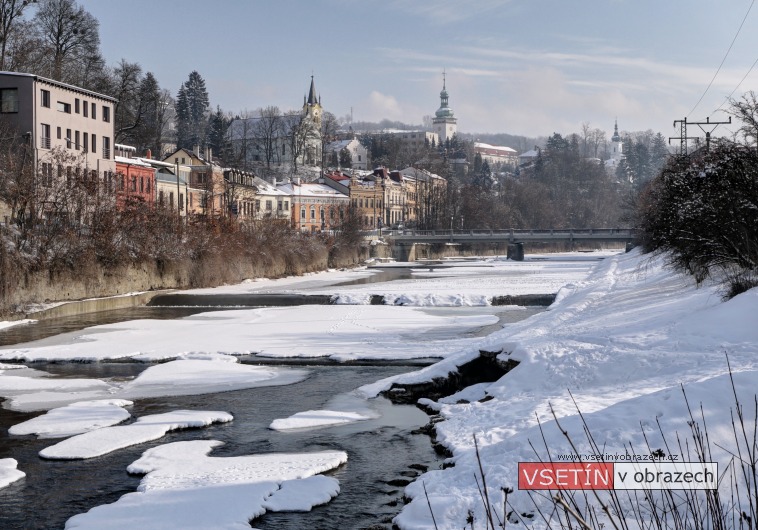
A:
[(516, 251)]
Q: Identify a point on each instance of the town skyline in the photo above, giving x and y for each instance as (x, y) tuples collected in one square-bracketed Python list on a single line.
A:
[(511, 67)]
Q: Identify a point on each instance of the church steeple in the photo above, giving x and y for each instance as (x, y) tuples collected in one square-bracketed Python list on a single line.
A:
[(444, 111), (312, 99), (444, 123), (616, 137)]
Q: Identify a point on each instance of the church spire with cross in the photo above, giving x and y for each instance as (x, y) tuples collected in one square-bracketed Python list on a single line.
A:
[(444, 122)]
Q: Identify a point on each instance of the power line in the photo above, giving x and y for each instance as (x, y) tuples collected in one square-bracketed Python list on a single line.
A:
[(735, 88), (724, 59)]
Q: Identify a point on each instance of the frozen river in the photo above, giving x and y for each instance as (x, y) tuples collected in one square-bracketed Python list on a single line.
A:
[(338, 348)]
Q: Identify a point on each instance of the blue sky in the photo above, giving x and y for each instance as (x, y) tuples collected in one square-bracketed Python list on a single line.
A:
[(530, 67)]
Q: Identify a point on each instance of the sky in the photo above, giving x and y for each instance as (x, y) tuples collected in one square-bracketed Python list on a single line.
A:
[(524, 67)]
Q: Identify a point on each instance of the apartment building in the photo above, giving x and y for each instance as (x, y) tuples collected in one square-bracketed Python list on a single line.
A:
[(68, 129)]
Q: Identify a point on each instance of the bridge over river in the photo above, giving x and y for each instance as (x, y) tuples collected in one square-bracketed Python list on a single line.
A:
[(405, 241)]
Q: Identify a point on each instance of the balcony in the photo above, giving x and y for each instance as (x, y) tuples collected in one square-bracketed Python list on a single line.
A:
[(44, 142), (106, 153)]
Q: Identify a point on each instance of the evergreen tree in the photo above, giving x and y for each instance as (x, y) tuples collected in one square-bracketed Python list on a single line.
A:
[(149, 132), (192, 106), (346, 159), (218, 125)]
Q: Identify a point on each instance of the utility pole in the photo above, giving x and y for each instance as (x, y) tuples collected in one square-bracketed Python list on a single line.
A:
[(683, 132)]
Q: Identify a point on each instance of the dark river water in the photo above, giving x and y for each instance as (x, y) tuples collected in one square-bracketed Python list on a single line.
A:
[(380, 451), (53, 491)]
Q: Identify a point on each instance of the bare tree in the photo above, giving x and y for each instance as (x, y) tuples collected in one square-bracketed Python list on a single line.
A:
[(267, 131), (746, 111), (128, 110), (68, 30), (329, 127), (301, 132), (10, 11)]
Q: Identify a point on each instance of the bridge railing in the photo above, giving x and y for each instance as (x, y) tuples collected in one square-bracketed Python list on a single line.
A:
[(510, 232)]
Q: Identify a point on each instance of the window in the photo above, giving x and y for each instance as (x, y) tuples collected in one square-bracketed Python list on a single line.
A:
[(45, 98), (94, 111), (45, 140), (76, 140), (85, 142), (279, 205), (302, 214), (76, 105), (313, 214), (106, 113), (8, 100), (171, 199), (94, 143), (106, 147), (181, 202), (160, 197), (59, 133), (269, 206), (85, 106), (68, 138), (286, 206), (257, 206), (47, 174), (64, 107)]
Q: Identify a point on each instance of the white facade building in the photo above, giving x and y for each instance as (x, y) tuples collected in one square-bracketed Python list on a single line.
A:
[(51, 115), (358, 153)]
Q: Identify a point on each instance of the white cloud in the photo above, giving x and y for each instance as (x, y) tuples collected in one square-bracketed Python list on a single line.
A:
[(380, 106)]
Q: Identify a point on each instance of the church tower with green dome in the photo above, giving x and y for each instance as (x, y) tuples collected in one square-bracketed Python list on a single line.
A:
[(444, 123)]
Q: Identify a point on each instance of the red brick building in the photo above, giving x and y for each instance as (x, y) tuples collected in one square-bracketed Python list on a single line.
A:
[(135, 180)]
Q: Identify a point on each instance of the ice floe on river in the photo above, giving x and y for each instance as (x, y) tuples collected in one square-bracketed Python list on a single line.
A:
[(76, 418), (9, 472), (147, 428), (184, 488), (31, 389)]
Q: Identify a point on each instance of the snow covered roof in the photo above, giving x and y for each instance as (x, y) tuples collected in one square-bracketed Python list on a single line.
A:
[(338, 145), (494, 149), (311, 189), (419, 174), (132, 161), (532, 153)]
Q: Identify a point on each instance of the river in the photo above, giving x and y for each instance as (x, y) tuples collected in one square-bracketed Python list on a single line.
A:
[(371, 483)]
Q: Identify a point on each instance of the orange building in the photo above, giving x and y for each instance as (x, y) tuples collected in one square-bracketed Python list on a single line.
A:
[(135, 179), (315, 207)]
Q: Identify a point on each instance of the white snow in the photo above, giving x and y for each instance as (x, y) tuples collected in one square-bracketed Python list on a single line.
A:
[(5, 324), (316, 418), (623, 334), (75, 418), (8, 472), (621, 341), (343, 333), (186, 489), (30, 392), (453, 282), (145, 429)]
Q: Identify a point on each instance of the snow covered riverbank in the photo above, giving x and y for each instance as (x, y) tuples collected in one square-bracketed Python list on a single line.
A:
[(623, 334), (622, 342)]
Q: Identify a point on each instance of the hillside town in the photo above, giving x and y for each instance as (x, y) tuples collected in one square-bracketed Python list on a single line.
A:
[(312, 183)]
